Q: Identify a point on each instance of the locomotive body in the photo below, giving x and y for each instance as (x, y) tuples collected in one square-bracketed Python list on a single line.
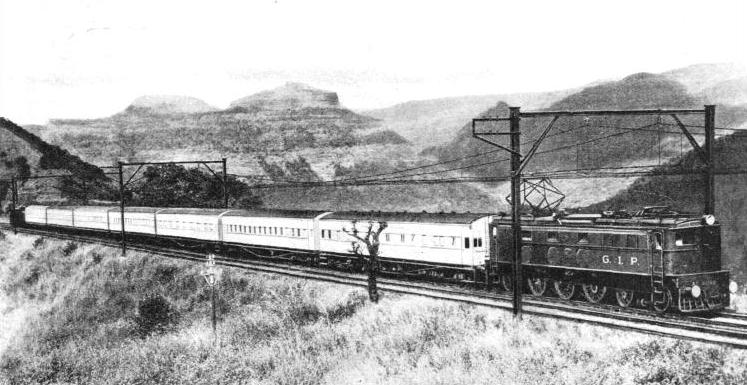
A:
[(662, 261)]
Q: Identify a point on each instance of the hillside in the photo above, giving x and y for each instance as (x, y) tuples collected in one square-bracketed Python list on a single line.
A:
[(699, 77), (169, 104), (291, 133), (282, 124), (291, 96), (732, 91), (434, 121), (23, 154), (83, 314)]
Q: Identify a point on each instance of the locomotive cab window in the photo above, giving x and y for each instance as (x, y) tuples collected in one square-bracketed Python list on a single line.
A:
[(552, 236), (686, 238)]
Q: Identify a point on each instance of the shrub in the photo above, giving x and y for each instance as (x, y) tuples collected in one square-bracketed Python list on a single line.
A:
[(353, 302), (155, 315), (69, 248), (38, 242)]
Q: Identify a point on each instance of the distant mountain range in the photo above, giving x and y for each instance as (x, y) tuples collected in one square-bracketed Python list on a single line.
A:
[(297, 131)]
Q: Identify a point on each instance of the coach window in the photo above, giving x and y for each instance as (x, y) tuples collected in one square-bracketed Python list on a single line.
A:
[(525, 235), (477, 242), (466, 243)]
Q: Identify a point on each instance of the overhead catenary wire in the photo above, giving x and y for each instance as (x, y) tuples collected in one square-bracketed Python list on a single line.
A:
[(364, 181)]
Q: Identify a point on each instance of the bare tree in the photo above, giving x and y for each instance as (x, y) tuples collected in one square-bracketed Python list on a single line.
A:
[(371, 239)]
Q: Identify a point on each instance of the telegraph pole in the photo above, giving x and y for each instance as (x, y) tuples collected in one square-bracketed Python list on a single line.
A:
[(515, 134), (709, 193), (225, 184), (121, 208)]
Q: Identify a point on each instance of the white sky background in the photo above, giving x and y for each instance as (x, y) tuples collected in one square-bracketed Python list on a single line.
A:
[(84, 59)]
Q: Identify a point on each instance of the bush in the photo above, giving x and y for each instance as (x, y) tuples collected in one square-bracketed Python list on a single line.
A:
[(155, 315), (69, 248), (38, 242)]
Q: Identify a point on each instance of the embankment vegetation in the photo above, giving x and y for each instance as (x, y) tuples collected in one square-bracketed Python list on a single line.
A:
[(75, 313)]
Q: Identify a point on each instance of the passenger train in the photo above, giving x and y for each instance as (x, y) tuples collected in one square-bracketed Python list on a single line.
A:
[(662, 260)]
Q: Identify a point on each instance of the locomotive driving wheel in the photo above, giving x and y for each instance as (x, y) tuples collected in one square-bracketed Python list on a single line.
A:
[(624, 297), (537, 286), (594, 293), (507, 283), (663, 304), (564, 289)]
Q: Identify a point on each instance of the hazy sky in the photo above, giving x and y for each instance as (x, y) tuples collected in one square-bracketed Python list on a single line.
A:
[(78, 58)]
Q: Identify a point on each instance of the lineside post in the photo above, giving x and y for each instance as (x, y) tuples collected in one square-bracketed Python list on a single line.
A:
[(13, 203), (709, 193), (515, 132), (121, 208)]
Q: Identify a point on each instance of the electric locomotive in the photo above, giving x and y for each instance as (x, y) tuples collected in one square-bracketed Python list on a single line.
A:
[(655, 258)]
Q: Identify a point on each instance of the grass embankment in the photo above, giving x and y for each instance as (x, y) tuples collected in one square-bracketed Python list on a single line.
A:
[(83, 314)]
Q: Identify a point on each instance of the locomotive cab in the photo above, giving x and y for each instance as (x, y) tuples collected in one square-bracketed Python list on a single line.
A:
[(691, 257)]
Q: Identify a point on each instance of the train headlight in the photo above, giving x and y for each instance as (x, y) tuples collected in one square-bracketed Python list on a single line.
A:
[(732, 287), (709, 220), (695, 291)]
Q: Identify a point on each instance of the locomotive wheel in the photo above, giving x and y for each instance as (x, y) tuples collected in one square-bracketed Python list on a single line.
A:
[(564, 289), (537, 286), (594, 293), (624, 297), (665, 303), (507, 283)]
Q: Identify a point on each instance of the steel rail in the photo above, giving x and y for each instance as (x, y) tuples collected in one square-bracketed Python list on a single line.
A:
[(726, 328)]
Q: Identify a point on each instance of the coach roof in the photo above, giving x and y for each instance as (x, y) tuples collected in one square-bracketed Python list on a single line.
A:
[(404, 216), (272, 213)]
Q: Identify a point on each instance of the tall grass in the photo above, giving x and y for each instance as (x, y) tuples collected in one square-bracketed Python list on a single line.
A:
[(285, 331)]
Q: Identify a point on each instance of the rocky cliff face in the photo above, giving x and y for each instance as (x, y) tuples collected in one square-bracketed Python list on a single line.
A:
[(169, 104), (291, 96)]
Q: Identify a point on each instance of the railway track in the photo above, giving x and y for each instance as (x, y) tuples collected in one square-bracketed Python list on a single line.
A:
[(725, 328)]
